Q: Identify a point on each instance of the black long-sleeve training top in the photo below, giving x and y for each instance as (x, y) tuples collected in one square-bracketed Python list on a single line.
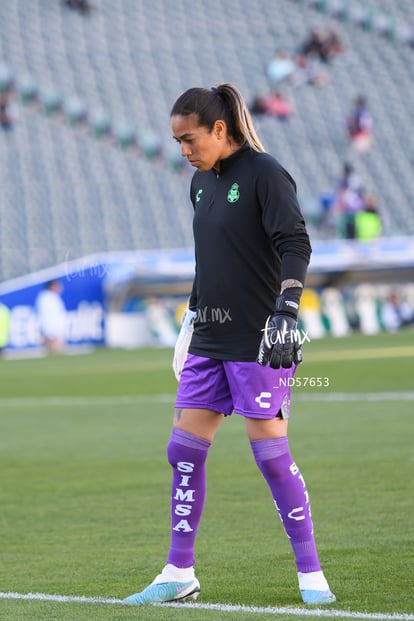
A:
[(249, 236)]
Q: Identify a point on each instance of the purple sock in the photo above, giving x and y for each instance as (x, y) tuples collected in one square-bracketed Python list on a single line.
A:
[(291, 498), (187, 455)]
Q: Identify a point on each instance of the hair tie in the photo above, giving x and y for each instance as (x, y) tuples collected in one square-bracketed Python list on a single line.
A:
[(215, 90)]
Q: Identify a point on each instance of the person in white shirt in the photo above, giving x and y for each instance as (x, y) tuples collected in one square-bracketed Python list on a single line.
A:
[(51, 313)]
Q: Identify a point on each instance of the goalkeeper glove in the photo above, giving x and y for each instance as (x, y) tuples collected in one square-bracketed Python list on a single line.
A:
[(280, 345), (183, 341)]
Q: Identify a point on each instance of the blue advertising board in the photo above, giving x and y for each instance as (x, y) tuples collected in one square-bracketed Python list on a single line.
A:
[(82, 296)]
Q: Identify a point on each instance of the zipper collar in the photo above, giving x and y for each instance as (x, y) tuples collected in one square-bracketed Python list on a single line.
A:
[(228, 162)]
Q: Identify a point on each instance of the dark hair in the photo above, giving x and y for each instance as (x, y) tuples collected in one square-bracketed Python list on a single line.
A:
[(222, 102), (51, 283)]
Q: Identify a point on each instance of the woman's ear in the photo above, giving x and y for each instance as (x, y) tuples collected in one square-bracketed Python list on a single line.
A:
[(220, 129)]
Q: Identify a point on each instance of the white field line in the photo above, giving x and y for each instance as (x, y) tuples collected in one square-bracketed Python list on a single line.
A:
[(296, 612), (403, 351), (354, 396), (67, 401)]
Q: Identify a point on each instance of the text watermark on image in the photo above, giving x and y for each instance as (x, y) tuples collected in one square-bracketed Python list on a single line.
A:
[(213, 315), (80, 269), (282, 337), (304, 382)]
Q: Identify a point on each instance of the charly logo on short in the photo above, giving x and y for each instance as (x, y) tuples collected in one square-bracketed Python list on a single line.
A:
[(233, 194), (262, 400)]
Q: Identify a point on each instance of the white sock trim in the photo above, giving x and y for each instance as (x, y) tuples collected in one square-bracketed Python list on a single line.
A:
[(312, 581), (171, 573)]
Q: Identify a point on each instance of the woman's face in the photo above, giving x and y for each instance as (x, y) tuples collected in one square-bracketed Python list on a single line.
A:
[(202, 148)]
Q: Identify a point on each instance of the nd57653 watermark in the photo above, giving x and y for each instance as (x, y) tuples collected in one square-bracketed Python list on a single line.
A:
[(303, 382)]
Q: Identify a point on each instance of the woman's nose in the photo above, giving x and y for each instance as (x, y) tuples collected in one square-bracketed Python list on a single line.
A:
[(185, 150)]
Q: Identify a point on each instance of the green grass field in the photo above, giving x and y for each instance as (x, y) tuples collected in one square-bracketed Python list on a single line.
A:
[(84, 491)]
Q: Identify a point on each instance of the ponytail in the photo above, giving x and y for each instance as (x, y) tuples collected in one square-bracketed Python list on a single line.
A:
[(244, 131)]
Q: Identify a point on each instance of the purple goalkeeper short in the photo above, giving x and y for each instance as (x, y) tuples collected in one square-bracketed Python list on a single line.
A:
[(225, 386)]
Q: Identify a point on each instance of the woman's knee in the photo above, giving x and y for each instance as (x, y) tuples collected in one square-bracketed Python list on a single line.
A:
[(202, 423)]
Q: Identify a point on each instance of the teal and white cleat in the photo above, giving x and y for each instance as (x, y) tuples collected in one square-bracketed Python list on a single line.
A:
[(314, 589), (317, 598), (171, 585), (165, 592)]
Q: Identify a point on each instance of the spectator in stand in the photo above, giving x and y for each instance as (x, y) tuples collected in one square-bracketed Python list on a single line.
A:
[(322, 46), (280, 68), (331, 203), (276, 105), (348, 201), (308, 72), (314, 45), (333, 44), (279, 106), (82, 6), (258, 105), (359, 125), (368, 223), (349, 178), (5, 118)]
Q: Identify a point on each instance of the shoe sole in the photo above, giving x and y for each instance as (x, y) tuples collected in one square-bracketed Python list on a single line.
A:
[(190, 596)]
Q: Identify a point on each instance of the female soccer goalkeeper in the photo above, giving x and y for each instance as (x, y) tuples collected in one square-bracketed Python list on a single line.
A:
[(252, 252)]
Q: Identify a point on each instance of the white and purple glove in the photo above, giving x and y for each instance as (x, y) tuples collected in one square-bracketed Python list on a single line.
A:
[(183, 341)]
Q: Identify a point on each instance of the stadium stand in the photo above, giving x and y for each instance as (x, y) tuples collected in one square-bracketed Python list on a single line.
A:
[(70, 188)]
